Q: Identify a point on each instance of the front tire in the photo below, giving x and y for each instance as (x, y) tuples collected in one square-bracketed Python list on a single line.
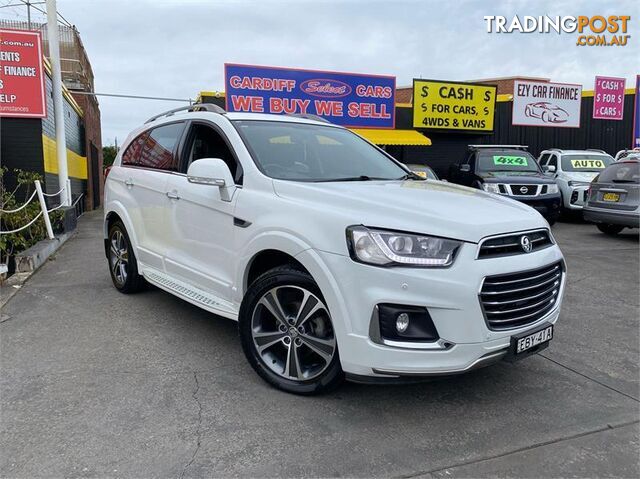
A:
[(287, 334), (123, 265), (611, 230)]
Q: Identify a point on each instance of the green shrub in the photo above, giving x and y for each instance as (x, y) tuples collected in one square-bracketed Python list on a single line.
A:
[(13, 243)]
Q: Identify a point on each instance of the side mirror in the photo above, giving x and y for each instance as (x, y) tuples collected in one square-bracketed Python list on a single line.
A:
[(466, 168), (212, 172), (549, 168)]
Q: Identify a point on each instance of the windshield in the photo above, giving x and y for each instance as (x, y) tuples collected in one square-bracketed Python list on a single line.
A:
[(621, 172), (303, 152), (507, 160), (593, 163)]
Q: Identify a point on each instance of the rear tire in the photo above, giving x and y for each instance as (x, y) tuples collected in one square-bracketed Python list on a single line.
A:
[(287, 334), (123, 265), (611, 230)]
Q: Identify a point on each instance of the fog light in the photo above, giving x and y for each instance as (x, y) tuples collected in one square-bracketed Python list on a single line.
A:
[(402, 322)]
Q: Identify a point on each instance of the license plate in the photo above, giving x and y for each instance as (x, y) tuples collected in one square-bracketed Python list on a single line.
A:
[(530, 342), (613, 197)]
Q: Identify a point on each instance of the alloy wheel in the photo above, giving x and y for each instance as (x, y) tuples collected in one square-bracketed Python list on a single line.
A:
[(119, 256), (292, 333)]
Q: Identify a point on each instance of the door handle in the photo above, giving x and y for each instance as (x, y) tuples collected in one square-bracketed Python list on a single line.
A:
[(173, 194), (128, 182)]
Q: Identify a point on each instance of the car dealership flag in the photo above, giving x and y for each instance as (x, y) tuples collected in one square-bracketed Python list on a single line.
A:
[(22, 91), (546, 104)]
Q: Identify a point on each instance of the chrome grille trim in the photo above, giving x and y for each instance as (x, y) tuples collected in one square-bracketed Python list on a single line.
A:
[(508, 244), (506, 307)]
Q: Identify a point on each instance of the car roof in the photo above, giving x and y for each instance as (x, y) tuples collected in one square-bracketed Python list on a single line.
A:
[(575, 152), (237, 116)]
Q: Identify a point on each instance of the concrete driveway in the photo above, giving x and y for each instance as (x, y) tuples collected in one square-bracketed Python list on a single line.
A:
[(94, 383)]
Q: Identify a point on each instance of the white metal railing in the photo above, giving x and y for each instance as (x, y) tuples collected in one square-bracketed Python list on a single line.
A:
[(43, 208)]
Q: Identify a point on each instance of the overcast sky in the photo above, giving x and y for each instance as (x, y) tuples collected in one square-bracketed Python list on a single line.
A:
[(176, 48)]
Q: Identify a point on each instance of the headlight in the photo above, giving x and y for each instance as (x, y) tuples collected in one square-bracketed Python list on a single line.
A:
[(386, 248), (551, 189), (578, 183), (491, 187)]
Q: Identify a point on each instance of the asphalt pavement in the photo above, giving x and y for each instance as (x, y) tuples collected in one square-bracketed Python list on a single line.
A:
[(94, 383)]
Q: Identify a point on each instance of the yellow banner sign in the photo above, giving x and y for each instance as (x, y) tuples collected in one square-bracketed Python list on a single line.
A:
[(453, 106)]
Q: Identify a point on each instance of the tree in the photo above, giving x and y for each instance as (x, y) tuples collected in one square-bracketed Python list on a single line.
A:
[(108, 155)]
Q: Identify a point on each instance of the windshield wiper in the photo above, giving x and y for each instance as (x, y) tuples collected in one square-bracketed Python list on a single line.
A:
[(623, 181), (411, 176), (354, 178)]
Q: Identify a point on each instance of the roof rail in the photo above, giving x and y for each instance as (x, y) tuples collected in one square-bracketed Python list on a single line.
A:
[(521, 147), (554, 149), (596, 149), (309, 116), (195, 107)]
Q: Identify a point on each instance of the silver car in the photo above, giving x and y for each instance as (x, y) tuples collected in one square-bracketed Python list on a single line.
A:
[(614, 197)]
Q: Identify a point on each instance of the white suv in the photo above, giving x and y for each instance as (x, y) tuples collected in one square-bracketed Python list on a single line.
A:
[(573, 171), (334, 258)]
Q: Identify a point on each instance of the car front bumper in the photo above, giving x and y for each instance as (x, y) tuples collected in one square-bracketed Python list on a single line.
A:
[(574, 197), (630, 219), (450, 295), (547, 205)]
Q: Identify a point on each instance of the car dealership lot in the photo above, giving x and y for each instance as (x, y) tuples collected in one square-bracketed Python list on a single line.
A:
[(95, 383)]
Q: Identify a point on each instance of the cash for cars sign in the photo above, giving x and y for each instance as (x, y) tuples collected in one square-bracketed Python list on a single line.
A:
[(608, 98), (22, 92), (546, 104), (348, 99), (453, 106)]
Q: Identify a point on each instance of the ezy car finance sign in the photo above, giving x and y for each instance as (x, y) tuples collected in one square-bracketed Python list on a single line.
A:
[(546, 104)]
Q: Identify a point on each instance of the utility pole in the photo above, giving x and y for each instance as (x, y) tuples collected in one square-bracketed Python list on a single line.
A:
[(28, 14), (58, 103)]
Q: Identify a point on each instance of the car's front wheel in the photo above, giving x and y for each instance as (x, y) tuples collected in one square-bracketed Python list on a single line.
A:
[(287, 334), (610, 230)]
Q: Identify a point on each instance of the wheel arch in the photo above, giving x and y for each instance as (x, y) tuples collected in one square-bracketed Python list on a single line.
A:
[(115, 212), (266, 260)]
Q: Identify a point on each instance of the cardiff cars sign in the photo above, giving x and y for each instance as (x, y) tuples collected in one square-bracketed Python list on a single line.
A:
[(348, 99), (22, 90), (546, 104), (453, 106)]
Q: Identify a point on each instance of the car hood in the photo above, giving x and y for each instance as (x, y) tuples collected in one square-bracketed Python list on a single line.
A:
[(586, 176), (516, 177), (429, 207)]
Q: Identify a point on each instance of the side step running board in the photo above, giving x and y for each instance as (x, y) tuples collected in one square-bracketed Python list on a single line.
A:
[(190, 293)]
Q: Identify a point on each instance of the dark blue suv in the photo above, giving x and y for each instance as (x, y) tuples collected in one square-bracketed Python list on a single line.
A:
[(509, 170)]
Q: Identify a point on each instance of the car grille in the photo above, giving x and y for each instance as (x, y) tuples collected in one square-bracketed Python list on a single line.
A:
[(511, 244), (514, 300), (524, 190)]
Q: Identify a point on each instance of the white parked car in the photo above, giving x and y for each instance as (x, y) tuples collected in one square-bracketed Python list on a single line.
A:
[(573, 171), (334, 258), (624, 154)]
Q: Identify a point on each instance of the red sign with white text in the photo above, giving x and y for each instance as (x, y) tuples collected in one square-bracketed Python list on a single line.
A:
[(608, 98), (22, 92)]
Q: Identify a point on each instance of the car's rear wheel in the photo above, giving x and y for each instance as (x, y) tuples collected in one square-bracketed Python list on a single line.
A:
[(287, 334), (610, 230), (122, 261)]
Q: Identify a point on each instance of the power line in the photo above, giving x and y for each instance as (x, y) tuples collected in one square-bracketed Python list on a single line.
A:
[(137, 97)]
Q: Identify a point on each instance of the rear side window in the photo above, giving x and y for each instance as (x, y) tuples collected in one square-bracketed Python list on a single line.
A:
[(131, 155), (621, 173), (156, 148)]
